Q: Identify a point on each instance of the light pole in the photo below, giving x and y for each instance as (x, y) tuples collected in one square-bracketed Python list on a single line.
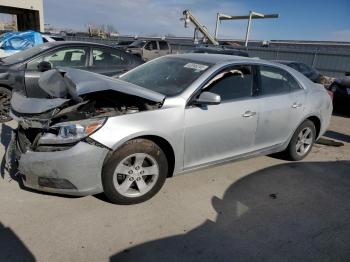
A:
[(252, 15)]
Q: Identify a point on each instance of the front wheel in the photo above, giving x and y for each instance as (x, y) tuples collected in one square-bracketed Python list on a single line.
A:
[(135, 172), (302, 141), (5, 100)]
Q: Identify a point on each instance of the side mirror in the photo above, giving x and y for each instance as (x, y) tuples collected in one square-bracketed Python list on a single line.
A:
[(207, 98), (347, 73), (44, 66)]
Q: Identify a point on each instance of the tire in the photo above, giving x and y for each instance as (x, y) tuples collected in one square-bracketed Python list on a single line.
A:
[(303, 137), (5, 105), (135, 172)]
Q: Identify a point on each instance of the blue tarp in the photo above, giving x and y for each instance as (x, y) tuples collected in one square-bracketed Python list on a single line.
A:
[(17, 41)]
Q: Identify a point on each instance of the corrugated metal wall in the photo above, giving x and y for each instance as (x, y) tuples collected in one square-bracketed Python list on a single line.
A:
[(329, 63), (332, 63)]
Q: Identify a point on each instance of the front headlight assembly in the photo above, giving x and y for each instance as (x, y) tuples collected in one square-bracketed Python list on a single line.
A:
[(70, 132)]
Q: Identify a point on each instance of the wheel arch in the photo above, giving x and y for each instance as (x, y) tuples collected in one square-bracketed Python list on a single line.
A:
[(166, 147), (163, 143), (6, 86), (317, 122)]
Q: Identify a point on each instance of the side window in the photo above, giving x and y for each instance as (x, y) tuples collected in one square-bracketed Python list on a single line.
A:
[(152, 45), (71, 57), (232, 83), (106, 58), (276, 81), (163, 45)]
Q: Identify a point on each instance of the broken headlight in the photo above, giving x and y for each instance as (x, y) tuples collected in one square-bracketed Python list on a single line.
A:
[(70, 132)]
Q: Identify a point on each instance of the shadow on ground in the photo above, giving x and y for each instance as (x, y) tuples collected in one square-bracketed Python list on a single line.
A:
[(12, 248), (338, 136), (288, 212)]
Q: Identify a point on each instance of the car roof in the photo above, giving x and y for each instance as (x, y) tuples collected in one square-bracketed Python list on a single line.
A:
[(62, 43), (218, 50), (217, 58)]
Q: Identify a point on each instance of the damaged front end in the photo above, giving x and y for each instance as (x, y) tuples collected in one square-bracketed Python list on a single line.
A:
[(52, 143)]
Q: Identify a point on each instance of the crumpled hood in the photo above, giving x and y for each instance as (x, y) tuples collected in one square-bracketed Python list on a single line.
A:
[(67, 84), (71, 82)]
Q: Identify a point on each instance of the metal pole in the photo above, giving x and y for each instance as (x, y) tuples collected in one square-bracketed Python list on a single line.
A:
[(248, 29), (217, 26)]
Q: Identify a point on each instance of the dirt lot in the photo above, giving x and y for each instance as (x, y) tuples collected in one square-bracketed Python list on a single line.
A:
[(261, 209)]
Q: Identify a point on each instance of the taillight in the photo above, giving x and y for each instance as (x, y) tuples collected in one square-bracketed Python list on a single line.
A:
[(330, 93)]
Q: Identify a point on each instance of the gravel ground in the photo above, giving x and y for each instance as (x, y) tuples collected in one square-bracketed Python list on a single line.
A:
[(261, 209)]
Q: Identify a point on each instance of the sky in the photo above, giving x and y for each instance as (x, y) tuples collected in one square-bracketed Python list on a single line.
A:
[(299, 20)]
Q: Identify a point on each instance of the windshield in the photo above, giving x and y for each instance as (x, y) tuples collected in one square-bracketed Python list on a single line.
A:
[(167, 75), (25, 54), (138, 43)]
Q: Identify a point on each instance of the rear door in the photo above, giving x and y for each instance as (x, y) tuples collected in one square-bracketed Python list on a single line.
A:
[(109, 62), (67, 57), (281, 104)]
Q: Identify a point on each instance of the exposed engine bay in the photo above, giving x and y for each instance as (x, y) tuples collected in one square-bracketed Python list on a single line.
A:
[(77, 101)]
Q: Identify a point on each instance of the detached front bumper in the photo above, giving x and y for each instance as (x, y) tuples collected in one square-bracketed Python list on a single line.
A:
[(75, 171)]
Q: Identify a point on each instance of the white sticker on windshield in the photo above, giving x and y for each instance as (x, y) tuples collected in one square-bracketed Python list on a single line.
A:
[(197, 67)]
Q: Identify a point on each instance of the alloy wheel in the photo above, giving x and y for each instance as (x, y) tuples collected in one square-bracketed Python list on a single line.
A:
[(136, 175), (304, 141)]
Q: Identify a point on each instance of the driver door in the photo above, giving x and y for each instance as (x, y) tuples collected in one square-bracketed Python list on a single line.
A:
[(218, 132), (68, 57)]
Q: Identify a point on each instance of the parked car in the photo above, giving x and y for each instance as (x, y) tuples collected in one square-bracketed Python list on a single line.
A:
[(341, 94), (123, 44), (149, 49), (52, 38), (219, 50), (21, 71), (14, 42), (306, 70), (174, 114)]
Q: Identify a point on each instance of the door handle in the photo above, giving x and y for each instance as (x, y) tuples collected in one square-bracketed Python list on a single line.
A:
[(296, 105), (249, 114)]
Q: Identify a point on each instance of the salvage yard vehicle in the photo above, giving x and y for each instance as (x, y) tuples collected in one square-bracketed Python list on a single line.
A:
[(14, 42), (21, 71), (341, 94), (306, 70), (149, 49), (174, 114)]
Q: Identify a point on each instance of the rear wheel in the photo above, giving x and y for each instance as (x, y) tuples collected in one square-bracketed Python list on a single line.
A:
[(5, 99), (135, 172), (302, 141)]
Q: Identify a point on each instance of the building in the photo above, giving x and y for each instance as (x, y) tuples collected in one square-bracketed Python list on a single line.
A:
[(29, 13)]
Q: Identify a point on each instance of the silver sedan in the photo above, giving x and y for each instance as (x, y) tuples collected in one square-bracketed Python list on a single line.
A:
[(175, 114)]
